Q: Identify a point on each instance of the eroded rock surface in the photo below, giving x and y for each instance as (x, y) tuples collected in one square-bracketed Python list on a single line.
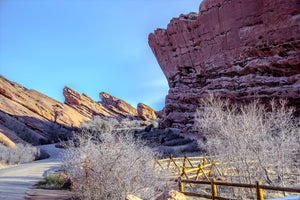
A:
[(32, 116), (28, 115), (117, 105), (242, 50), (145, 112), (84, 104)]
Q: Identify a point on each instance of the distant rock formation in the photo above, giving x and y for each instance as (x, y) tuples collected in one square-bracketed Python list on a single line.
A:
[(117, 105), (33, 116), (145, 112), (241, 50), (84, 104), (30, 116)]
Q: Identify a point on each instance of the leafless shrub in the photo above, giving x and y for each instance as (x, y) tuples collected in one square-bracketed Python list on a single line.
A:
[(250, 142), (119, 164), (20, 154)]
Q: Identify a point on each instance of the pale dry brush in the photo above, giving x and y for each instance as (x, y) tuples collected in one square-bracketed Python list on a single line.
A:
[(119, 164), (20, 154), (254, 143)]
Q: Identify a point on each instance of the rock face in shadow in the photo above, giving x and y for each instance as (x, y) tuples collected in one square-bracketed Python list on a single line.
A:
[(241, 50)]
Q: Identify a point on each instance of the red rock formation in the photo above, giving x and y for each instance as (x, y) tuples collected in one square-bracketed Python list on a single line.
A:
[(145, 112), (30, 115), (241, 50), (117, 105), (84, 104)]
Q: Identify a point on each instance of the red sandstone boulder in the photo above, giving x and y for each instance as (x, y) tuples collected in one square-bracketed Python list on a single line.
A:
[(241, 50)]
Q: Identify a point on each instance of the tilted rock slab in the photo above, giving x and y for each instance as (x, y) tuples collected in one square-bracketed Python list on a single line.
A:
[(242, 50), (84, 104), (33, 116), (117, 105), (145, 112)]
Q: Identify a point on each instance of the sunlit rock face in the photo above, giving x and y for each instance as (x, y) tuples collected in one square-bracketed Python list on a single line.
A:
[(117, 105), (28, 115), (145, 112), (242, 50)]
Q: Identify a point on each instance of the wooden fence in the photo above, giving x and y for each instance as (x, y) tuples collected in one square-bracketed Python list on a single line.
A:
[(258, 186), (185, 168)]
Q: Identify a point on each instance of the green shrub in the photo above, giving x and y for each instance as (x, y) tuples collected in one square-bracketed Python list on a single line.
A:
[(52, 181)]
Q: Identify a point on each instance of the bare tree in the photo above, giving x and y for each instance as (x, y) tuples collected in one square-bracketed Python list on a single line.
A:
[(249, 141), (119, 165)]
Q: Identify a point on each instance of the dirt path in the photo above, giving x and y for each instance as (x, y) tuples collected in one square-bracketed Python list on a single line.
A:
[(15, 181)]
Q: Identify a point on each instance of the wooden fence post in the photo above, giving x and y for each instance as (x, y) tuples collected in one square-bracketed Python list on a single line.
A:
[(184, 161), (259, 191), (180, 184), (198, 172), (213, 189), (170, 161), (87, 167)]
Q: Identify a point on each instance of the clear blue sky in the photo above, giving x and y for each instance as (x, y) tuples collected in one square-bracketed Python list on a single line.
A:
[(88, 45)]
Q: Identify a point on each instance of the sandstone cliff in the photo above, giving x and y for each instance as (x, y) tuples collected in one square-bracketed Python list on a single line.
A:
[(30, 116), (33, 116), (237, 49)]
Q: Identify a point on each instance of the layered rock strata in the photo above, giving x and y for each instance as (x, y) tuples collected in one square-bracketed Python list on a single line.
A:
[(33, 116), (30, 116), (242, 50)]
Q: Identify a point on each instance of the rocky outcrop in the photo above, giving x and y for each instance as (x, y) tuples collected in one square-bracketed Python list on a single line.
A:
[(84, 104), (117, 105), (33, 116), (28, 115), (145, 112), (241, 50)]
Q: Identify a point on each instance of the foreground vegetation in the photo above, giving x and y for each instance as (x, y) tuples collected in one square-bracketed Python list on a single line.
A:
[(119, 164), (250, 141), (20, 154)]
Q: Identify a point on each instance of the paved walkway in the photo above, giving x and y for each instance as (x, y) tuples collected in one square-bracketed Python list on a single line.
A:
[(15, 181)]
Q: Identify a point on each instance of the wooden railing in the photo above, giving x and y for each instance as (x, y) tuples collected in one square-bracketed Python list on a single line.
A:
[(258, 186), (187, 173)]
